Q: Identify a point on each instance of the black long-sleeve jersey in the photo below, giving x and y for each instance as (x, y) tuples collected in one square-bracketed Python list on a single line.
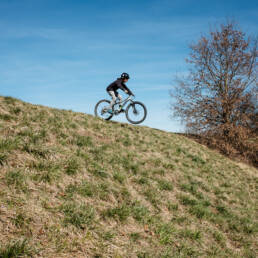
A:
[(118, 84)]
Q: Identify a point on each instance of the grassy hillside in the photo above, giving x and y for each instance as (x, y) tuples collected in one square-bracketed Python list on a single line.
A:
[(72, 185)]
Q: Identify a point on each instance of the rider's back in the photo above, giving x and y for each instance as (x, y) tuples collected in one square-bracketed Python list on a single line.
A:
[(118, 84)]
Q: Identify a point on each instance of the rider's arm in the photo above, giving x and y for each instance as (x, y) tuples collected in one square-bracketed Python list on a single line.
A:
[(128, 91), (123, 87)]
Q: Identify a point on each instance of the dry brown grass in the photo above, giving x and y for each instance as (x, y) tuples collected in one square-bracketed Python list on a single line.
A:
[(74, 185)]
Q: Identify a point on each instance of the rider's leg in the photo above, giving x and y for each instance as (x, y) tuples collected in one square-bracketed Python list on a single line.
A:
[(120, 102), (113, 96), (120, 98)]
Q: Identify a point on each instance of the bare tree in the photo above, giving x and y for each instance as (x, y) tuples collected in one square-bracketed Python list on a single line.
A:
[(220, 94)]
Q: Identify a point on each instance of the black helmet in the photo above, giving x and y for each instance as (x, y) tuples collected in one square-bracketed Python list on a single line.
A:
[(125, 76)]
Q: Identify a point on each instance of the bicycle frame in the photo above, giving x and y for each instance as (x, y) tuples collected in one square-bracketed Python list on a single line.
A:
[(124, 102)]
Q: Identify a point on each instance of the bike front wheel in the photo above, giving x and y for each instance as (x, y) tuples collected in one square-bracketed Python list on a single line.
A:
[(136, 112), (101, 109)]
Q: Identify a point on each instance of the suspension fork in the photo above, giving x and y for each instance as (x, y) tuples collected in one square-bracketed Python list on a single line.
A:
[(134, 109)]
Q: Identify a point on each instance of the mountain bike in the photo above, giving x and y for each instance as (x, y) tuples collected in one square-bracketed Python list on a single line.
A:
[(135, 111)]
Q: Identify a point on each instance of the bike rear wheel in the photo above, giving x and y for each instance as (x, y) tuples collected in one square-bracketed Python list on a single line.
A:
[(101, 109), (136, 112)]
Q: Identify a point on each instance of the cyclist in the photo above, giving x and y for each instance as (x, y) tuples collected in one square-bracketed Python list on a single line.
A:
[(114, 86)]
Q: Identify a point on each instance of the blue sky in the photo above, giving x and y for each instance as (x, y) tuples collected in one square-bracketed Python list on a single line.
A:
[(63, 53)]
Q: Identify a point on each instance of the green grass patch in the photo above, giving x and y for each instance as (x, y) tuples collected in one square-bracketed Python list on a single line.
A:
[(83, 141), (179, 219), (85, 189), (152, 195), (108, 235), (172, 206), (127, 142), (15, 110), (46, 171), (139, 212), (8, 144), (200, 211), (17, 179), (186, 200), (120, 177), (18, 248), (121, 212), (72, 166), (192, 188), (135, 236), (196, 159), (21, 220), (160, 172), (6, 117), (79, 215), (33, 137), (3, 158), (143, 181), (191, 234), (165, 185), (37, 151), (180, 151), (99, 173), (169, 166), (166, 233), (219, 238), (223, 211), (88, 189)]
